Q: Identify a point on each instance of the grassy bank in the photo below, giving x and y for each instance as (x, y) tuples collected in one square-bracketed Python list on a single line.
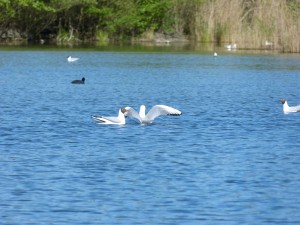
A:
[(250, 24)]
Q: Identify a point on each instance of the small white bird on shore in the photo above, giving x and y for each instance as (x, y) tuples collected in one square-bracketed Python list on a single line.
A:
[(289, 109), (268, 43), (72, 59), (155, 111), (231, 46)]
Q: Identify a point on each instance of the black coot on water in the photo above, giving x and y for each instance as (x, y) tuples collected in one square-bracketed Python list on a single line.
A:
[(78, 81)]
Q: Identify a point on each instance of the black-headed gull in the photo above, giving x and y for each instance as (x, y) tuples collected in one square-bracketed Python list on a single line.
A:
[(118, 120), (287, 108), (72, 59), (78, 81), (155, 111)]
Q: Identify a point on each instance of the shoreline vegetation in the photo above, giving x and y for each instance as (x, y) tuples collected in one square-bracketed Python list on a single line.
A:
[(250, 24)]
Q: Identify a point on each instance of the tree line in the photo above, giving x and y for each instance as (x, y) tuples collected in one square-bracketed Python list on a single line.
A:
[(249, 23)]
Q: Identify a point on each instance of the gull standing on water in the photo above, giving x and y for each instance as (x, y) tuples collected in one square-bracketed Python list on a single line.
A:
[(118, 120), (287, 108), (72, 59), (155, 111)]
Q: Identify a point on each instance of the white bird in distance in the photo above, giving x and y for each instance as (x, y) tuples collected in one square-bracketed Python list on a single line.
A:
[(72, 59)]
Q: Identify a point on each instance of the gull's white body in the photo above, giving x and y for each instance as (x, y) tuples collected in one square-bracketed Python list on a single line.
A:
[(119, 120), (71, 59), (155, 111), (231, 46), (268, 43), (289, 109)]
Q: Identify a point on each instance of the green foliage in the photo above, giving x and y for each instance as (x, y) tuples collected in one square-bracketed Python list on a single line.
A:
[(5, 7), (151, 13), (205, 37), (102, 38), (220, 32), (294, 8), (85, 18), (62, 37), (267, 29)]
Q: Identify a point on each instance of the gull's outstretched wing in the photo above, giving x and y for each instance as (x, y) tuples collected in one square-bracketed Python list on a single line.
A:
[(162, 110)]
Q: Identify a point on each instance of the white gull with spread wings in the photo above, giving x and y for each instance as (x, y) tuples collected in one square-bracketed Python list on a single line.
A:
[(287, 108), (119, 120), (155, 111)]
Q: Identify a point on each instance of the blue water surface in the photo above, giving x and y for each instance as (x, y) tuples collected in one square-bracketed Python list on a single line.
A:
[(232, 157)]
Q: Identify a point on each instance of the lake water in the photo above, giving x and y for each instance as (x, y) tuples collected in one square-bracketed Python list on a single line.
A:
[(232, 157)]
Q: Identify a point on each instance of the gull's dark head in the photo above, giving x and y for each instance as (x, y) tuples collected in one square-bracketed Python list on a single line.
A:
[(283, 100), (124, 111)]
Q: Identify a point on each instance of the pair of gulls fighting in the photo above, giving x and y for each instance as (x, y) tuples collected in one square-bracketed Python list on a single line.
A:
[(289, 109), (141, 117)]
